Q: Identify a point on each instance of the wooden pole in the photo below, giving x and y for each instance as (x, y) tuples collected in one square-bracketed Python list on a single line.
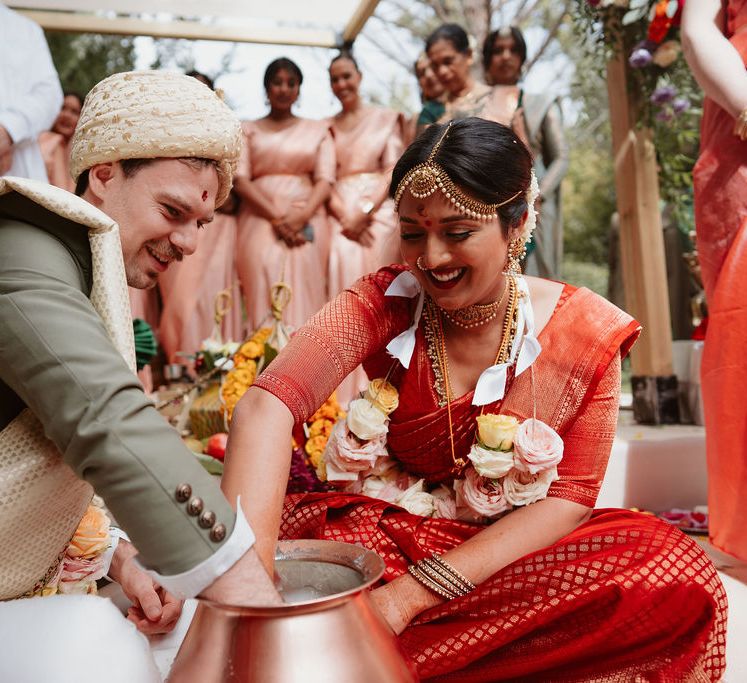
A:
[(641, 237)]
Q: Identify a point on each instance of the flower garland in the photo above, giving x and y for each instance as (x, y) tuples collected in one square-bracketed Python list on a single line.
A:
[(513, 463), (84, 560)]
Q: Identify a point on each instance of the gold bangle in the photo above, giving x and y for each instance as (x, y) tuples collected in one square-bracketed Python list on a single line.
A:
[(437, 575), (421, 578), (457, 575)]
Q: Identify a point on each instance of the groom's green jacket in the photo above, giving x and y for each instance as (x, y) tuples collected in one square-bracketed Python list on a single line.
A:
[(57, 360)]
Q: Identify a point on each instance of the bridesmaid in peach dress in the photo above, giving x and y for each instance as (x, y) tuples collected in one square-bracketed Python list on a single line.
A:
[(55, 144), (368, 142), (284, 181), (189, 288)]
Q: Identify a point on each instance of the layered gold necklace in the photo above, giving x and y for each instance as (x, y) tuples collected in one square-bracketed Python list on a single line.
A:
[(437, 341)]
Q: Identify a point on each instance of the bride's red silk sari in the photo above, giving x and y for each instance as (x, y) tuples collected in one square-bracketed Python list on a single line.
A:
[(623, 597)]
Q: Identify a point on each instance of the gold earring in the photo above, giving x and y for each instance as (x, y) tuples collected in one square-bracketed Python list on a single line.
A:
[(517, 248)]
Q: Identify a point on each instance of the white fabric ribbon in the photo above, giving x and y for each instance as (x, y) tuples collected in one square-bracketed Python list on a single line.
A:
[(491, 385), (403, 345)]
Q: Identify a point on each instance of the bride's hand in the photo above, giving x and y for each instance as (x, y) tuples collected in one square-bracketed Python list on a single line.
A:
[(391, 606)]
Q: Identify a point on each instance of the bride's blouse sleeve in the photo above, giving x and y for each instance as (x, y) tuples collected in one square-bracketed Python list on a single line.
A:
[(350, 328)]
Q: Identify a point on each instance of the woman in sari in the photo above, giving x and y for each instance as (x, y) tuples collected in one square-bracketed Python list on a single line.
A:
[(55, 144), (504, 55), (368, 142), (714, 36), (451, 57), (284, 180), (538, 585)]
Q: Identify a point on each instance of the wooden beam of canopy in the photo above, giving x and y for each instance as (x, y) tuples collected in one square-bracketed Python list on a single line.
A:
[(189, 30), (641, 237), (321, 23)]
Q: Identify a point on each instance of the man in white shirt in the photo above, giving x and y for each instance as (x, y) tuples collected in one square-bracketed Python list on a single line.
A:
[(30, 95)]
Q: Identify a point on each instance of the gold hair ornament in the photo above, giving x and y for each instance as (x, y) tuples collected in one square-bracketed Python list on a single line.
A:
[(425, 179)]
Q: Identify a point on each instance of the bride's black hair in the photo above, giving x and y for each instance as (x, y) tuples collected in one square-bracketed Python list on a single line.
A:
[(486, 160)]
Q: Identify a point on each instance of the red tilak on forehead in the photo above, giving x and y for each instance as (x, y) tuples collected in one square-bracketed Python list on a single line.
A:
[(204, 196), (428, 224)]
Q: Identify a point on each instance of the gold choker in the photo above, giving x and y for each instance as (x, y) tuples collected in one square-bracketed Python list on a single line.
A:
[(475, 315)]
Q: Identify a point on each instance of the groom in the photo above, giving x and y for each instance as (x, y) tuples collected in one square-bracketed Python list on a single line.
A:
[(153, 156)]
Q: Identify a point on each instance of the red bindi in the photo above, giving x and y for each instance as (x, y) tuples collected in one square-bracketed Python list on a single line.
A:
[(428, 224), (204, 196)]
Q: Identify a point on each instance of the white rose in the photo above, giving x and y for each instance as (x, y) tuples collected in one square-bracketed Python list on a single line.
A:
[(417, 501), (365, 420), (491, 463), (377, 487), (523, 488)]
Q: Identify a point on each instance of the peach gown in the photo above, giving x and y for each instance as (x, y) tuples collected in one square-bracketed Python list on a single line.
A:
[(188, 291), (55, 150), (366, 154), (284, 165)]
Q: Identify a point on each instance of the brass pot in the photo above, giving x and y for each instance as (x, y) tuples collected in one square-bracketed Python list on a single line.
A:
[(328, 632)]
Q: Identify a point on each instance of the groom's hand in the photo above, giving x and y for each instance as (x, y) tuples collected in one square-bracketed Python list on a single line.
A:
[(153, 609)]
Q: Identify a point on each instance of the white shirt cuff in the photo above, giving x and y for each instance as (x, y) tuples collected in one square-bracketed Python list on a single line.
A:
[(192, 582)]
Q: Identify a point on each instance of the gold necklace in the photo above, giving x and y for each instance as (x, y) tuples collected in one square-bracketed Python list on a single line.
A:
[(475, 315), (508, 332)]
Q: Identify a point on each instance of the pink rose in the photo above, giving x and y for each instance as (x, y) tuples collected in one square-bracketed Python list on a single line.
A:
[(444, 503), (523, 488), (79, 575), (346, 455), (537, 447), (483, 496)]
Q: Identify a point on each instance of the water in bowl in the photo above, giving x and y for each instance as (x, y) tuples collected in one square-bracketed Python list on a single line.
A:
[(302, 580)]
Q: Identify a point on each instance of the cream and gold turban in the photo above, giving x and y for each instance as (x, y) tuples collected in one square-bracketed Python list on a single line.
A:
[(154, 114)]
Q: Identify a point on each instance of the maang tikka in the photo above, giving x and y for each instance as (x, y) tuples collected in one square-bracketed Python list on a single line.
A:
[(426, 178)]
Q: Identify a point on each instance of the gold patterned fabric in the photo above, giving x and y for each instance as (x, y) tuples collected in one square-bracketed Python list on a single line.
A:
[(36, 486), (156, 114)]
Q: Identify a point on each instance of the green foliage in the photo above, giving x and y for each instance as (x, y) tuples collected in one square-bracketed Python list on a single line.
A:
[(581, 274), (602, 31), (83, 59), (588, 204)]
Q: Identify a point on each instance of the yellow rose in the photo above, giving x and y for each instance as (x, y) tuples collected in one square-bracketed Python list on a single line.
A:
[(497, 431), (92, 535), (383, 395)]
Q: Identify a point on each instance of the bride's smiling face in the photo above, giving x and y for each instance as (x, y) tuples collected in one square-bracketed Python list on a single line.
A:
[(458, 260)]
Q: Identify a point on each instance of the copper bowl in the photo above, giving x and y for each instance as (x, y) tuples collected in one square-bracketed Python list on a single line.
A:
[(329, 631)]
